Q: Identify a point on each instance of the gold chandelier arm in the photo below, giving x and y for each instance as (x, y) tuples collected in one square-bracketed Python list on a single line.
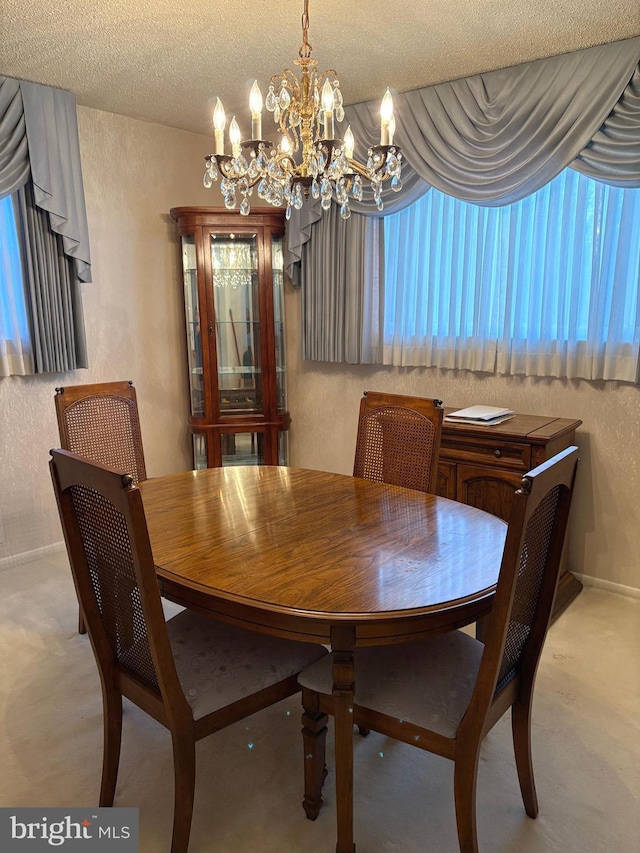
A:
[(286, 78), (358, 168), (329, 74), (290, 79)]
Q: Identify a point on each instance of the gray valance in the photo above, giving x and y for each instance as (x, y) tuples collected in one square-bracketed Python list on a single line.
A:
[(39, 139), (14, 152), (495, 138), (613, 155)]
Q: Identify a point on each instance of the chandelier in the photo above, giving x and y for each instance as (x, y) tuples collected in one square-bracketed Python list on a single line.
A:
[(309, 159)]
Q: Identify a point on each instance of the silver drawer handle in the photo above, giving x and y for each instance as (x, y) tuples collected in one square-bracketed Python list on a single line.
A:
[(497, 454)]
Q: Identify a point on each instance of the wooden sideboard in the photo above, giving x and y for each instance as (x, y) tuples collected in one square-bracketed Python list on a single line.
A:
[(483, 465)]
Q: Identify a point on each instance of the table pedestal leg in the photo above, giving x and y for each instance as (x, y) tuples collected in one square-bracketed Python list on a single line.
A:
[(343, 641)]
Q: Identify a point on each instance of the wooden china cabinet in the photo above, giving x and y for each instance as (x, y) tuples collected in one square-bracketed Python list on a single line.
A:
[(483, 465), (233, 272)]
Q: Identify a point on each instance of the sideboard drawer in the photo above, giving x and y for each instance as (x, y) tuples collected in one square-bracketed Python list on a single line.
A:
[(508, 454)]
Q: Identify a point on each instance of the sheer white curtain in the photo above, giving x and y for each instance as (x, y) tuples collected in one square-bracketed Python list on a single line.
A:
[(547, 286), (15, 348)]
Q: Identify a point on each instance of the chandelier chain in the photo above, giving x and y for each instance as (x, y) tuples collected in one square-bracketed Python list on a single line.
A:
[(305, 47)]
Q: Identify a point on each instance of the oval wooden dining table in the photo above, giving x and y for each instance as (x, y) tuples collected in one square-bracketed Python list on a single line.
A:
[(322, 557)]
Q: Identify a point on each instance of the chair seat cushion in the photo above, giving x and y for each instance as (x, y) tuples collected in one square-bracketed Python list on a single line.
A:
[(218, 664), (427, 683)]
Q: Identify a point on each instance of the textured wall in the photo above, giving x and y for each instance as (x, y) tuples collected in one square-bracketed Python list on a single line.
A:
[(134, 172), (604, 540)]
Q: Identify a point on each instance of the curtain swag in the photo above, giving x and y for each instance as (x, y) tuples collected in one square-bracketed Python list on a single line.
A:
[(492, 139), (498, 137), (39, 140)]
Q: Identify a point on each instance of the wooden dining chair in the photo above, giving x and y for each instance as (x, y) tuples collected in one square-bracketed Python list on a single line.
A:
[(193, 674), (101, 422), (398, 440), (445, 693)]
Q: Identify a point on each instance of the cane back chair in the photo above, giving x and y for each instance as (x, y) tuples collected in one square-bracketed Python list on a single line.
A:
[(101, 422), (445, 693), (193, 674), (398, 440)]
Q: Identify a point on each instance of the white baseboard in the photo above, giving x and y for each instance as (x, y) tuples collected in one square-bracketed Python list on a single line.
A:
[(30, 556), (609, 586)]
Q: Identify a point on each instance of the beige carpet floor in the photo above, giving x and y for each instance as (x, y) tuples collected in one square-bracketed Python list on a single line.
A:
[(249, 779)]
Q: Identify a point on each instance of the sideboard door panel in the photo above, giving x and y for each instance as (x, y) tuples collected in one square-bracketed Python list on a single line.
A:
[(487, 488), (446, 485)]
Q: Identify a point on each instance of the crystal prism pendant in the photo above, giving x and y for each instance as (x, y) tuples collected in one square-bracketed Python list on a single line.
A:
[(285, 98), (271, 100)]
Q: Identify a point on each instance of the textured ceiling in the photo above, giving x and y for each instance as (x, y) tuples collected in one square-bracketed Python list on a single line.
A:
[(165, 60)]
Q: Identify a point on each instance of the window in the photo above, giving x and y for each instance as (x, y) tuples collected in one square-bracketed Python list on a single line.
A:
[(547, 286), (15, 348)]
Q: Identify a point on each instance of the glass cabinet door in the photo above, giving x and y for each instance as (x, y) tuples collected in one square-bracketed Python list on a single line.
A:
[(277, 261), (192, 315), (233, 282), (234, 266)]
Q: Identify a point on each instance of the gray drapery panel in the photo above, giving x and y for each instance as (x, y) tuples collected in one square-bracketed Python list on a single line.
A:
[(14, 152), (54, 301), (334, 294), (39, 135), (300, 226), (497, 137)]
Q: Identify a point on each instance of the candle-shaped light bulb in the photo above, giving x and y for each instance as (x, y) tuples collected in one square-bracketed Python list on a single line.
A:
[(285, 145), (255, 105), (219, 122), (234, 137), (328, 103), (386, 113), (349, 143), (328, 100)]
